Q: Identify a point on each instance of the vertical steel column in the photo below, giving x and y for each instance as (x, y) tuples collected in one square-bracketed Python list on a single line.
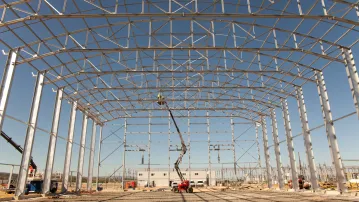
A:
[(67, 163), (6, 84), (52, 142), (149, 147), (352, 76), (209, 150), (91, 158), (233, 147), (330, 129), (169, 147), (266, 152), (30, 135), (277, 149), (307, 138), (10, 177), (259, 154), (288, 132), (80, 164), (124, 155), (99, 158), (189, 146)]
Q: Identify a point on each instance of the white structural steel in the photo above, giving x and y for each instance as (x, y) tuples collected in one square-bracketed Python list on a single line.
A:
[(210, 59)]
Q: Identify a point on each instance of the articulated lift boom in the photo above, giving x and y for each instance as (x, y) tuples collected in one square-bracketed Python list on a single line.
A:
[(18, 148), (183, 150), (184, 185)]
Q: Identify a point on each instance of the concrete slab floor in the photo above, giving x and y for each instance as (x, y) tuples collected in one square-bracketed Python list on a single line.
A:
[(247, 195)]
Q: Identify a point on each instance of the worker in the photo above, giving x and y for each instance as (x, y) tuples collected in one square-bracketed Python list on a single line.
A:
[(160, 99), (31, 170)]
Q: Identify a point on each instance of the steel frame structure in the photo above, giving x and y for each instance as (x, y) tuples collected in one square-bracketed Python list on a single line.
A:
[(224, 58)]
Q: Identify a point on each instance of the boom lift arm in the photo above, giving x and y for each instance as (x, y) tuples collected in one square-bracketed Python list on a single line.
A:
[(18, 148), (184, 185), (183, 150)]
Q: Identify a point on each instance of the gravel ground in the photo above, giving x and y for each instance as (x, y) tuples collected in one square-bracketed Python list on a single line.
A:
[(201, 195)]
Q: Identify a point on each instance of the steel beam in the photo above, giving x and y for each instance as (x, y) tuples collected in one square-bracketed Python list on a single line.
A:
[(307, 139), (277, 149), (189, 15), (217, 48), (266, 152), (149, 149), (209, 149), (6, 84), (10, 177), (331, 136), (352, 74), (269, 74), (52, 142), (164, 48), (30, 136), (70, 136), (185, 109), (289, 138), (233, 148), (267, 103), (99, 158), (124, 155), (167, 88), (169, 147), (80, 164), (134, 71), (91, 158), (189, 146), (259, 152)]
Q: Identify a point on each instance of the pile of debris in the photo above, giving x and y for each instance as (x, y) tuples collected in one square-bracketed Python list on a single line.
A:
[(328, 185), (248, 187)]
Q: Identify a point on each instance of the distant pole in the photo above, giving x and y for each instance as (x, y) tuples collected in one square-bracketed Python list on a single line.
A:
[(300, 164), (266, 152), (99, 158), (10, 177), (124, 154), (222, 173)]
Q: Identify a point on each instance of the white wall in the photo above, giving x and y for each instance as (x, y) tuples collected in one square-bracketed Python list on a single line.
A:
[(161, 177)]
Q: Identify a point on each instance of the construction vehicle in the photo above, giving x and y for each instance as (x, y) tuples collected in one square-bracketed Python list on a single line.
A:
[(185, 184), (130, 185), (33, 185)]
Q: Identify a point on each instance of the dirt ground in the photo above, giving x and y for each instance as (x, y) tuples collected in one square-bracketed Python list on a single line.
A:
[(4, 195), (201, 194)]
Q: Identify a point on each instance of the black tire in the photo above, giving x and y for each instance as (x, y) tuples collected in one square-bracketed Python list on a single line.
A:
[(175, 189), (190, 190)]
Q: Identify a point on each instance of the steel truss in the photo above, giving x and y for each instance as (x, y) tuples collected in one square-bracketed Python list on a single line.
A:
[(209, 59)]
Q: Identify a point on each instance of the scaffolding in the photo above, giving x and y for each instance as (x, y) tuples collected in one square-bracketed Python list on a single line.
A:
[(223, 61)]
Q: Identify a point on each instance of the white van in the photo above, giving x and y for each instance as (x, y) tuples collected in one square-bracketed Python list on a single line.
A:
[(174, 186), (200, 183)]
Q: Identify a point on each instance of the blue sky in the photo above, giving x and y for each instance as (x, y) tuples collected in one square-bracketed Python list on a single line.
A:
[(338, 91)]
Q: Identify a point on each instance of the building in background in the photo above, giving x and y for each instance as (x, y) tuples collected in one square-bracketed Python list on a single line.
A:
[(162, 177)]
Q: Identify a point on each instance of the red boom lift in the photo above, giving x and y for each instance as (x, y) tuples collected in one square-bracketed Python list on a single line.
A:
[(184, 185)]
